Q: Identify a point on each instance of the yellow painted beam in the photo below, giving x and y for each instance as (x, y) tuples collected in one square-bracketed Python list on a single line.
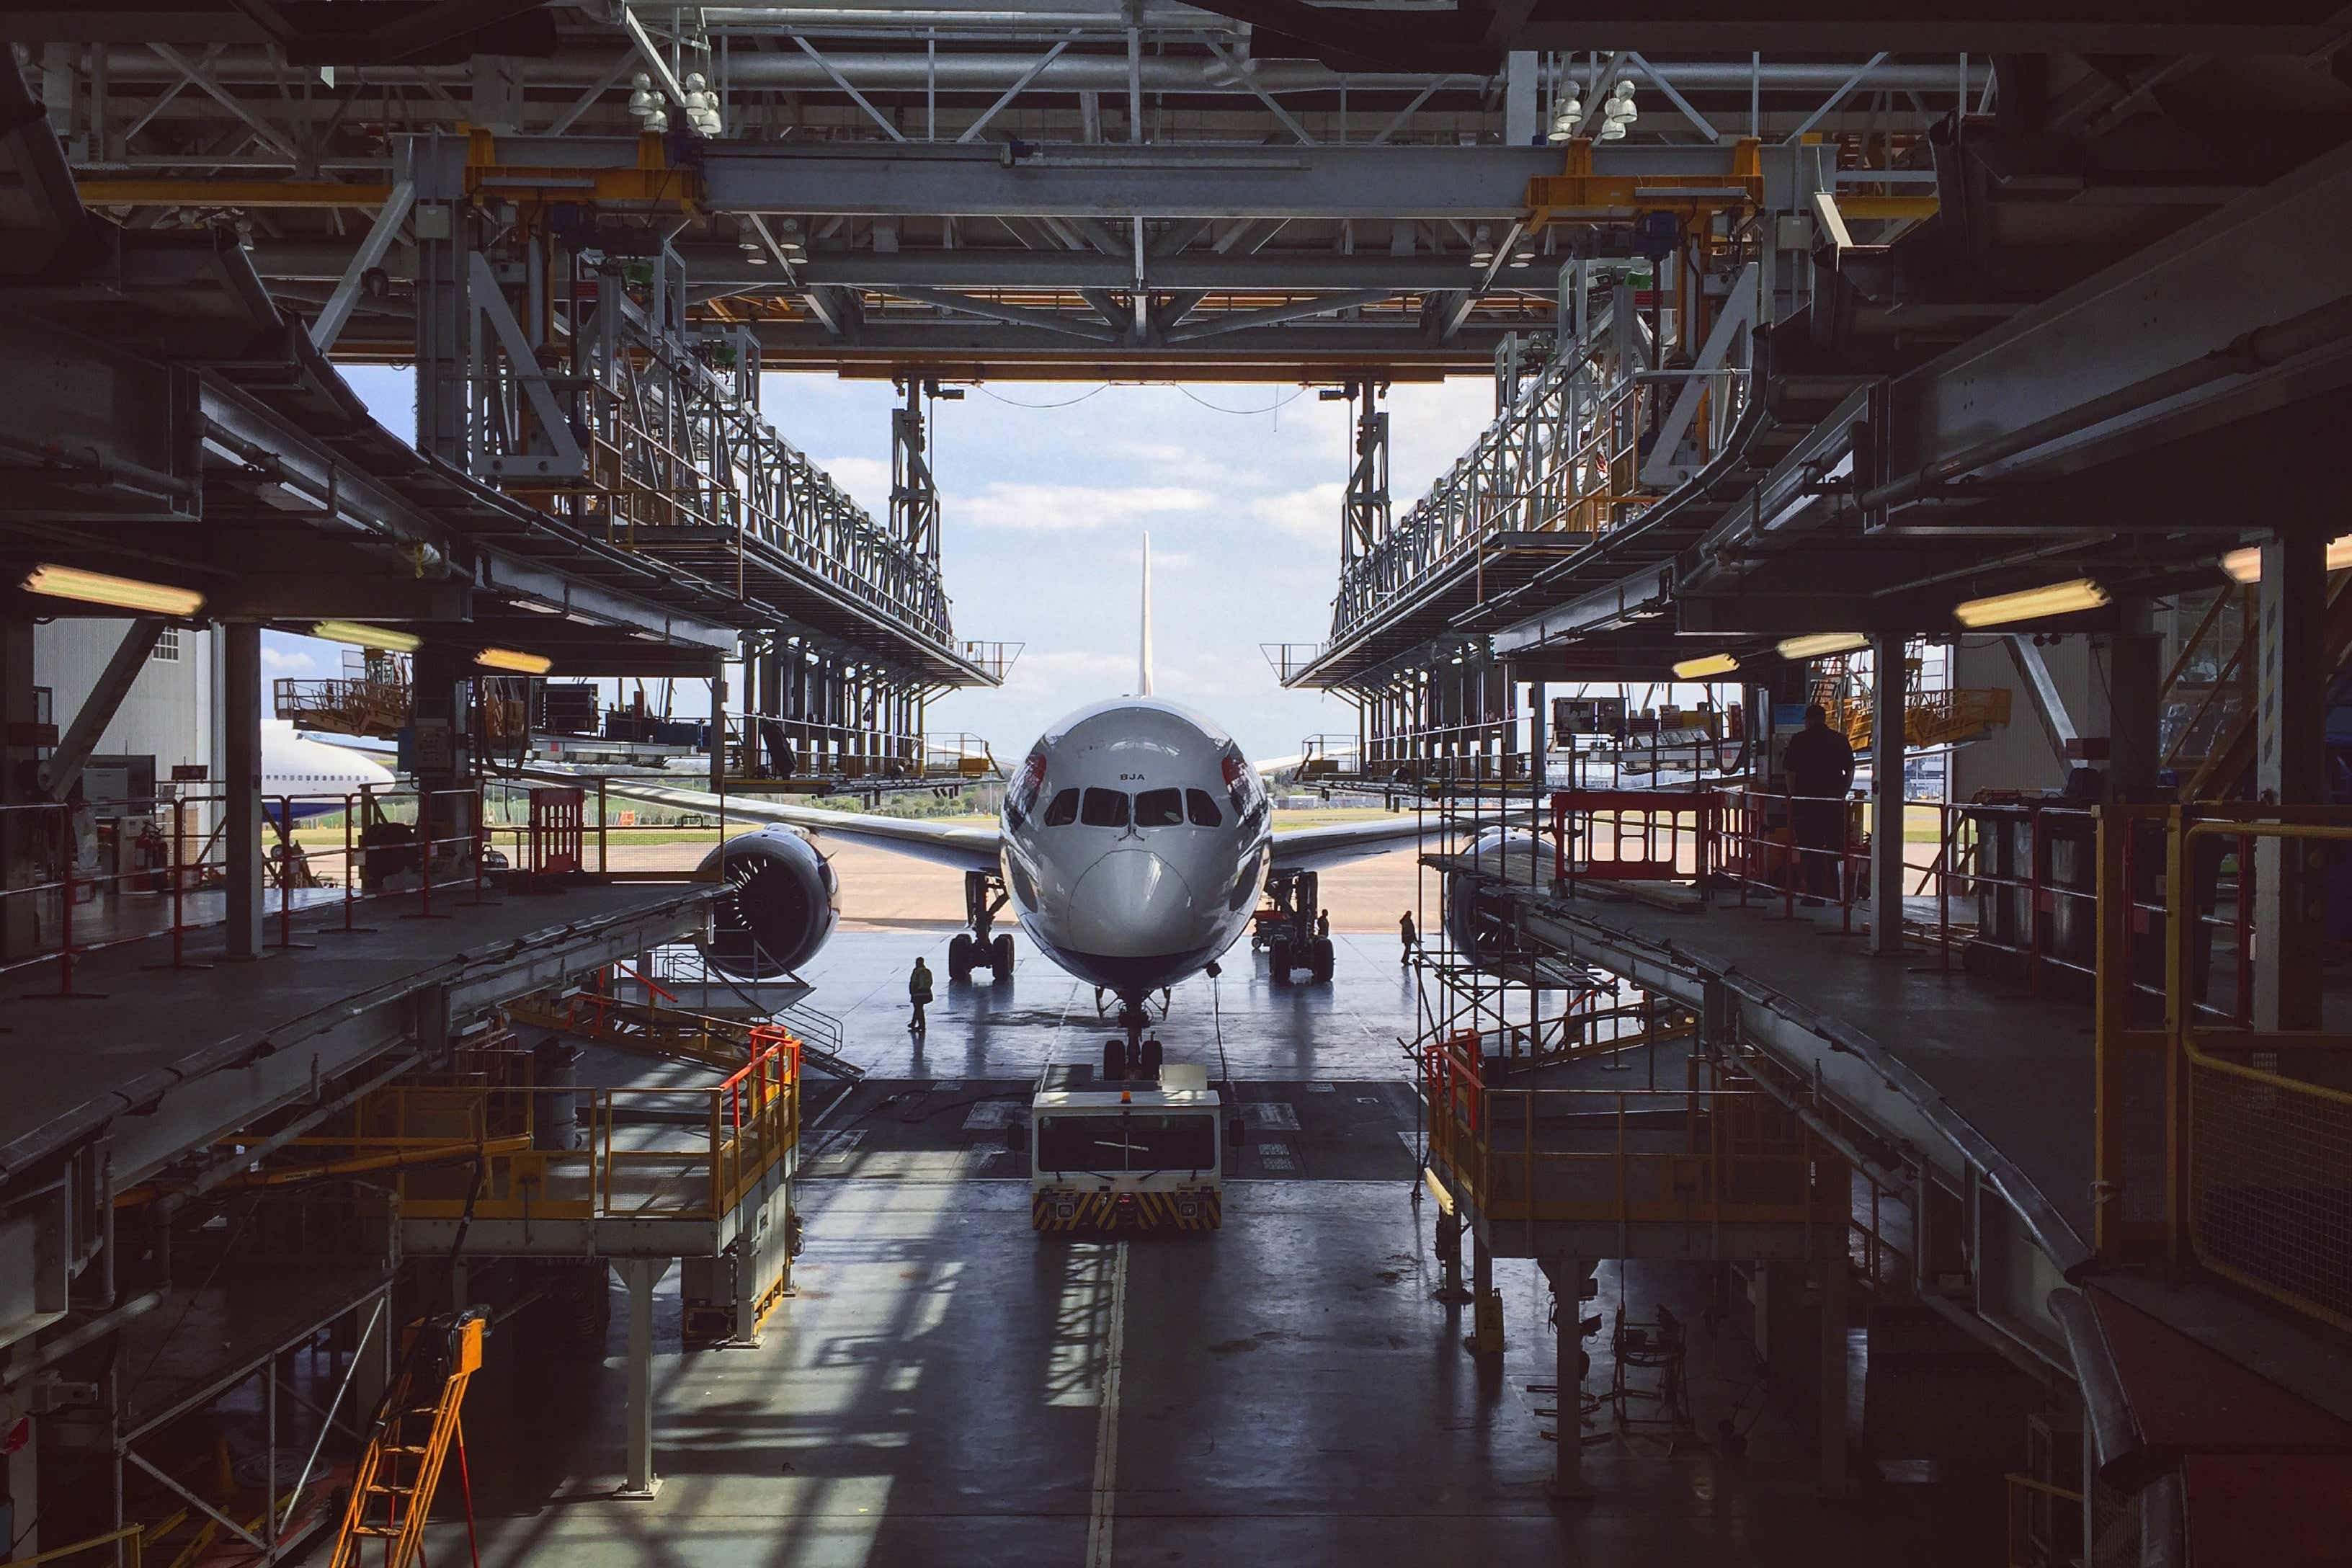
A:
[(230, 194), (1861, 207), (1579, 193)]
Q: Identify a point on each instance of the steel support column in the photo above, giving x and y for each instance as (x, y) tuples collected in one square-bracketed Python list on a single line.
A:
[(2290, 768), (241, 674), (19, 923), (1887, 680), (1568, 1483), (641, 1274), (1834, 1375), (2134, 701)]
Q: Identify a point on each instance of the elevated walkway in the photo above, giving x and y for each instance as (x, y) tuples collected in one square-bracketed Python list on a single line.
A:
[(654, 1172), (155, 1062)]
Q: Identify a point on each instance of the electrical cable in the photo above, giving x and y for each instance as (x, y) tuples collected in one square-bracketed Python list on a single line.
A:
[(1016, 403), (1220, 409)]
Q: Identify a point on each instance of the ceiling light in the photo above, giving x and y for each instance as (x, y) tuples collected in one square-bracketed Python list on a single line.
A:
[(753, 256), (536, 608), (1700, 668), (2033, 603), (116, 593), (1482, 247), (519, 663), (360, 635), (1820, 645), (2246, 565)]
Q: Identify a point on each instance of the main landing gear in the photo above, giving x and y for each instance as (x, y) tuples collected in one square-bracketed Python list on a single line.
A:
[(1134, 1057), (983, 895)]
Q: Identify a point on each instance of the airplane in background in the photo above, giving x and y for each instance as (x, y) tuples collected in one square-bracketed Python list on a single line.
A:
[(295, 765), (1133, 844)]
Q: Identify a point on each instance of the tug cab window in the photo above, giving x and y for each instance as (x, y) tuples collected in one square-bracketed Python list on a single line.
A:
[(1064, 810), (1103, 808)]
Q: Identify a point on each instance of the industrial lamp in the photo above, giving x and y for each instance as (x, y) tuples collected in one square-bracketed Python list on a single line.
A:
[(508, 658), (359, 635), (2032, 604), (115, 592), (1701, 668), (1820, 645), (2246, 565)]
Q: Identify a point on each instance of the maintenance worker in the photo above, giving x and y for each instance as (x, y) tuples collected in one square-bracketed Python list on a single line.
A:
[(1411, 938), (919, 993), (1323, 926), (1819, 766)]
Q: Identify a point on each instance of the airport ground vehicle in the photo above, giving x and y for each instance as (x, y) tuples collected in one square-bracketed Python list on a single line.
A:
[(1141, 1153)]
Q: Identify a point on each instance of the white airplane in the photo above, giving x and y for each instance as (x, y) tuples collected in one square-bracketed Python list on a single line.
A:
[(294, 765), (1133, 846)]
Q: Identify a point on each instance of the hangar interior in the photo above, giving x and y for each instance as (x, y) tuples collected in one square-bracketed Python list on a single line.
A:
[(1952, 1162)]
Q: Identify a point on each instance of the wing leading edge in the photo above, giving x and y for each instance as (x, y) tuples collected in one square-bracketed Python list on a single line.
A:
[(964, 848)]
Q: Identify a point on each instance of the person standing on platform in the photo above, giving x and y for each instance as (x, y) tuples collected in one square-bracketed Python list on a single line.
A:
[(1820, 766), (1411, 938), (919, 993)]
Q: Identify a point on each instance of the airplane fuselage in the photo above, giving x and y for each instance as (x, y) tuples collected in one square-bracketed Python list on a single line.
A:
[(1135, 844)]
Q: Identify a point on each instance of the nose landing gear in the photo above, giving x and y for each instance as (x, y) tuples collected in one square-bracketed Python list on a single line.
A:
[(981, 947), (1134, 1057)]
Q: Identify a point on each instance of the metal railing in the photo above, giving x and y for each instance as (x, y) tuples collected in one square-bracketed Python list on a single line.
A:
[(649, 1154), (425, 844), (1563, 459), (1627, 1156)]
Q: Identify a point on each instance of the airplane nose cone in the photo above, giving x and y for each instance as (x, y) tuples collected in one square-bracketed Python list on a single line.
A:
[(1130, 904)]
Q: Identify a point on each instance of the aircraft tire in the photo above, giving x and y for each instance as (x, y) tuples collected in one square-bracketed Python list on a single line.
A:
[(960, 958), (1000, 957), (1114, 1061)]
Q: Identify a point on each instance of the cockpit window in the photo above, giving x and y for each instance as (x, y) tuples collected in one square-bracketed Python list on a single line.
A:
[(1064, 810), (1103, 808), (1203, 810), (1160, 808)]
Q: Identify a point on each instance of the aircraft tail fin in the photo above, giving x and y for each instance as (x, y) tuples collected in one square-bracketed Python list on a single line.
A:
[(1143, 653)]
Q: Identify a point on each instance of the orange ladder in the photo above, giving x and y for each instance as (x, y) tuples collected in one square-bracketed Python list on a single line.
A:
[(391, 1493)]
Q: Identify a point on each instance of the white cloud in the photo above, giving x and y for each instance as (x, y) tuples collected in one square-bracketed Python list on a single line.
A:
[(1310, 513), (289, 661), (1010, 504), (1059, 667), (867, 480)]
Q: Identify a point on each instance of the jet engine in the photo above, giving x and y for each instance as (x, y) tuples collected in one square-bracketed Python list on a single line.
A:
[(781, 902), (1481, 926)]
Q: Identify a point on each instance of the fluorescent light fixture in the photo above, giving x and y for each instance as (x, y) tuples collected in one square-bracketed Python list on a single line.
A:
[(508, 658), (1820, 645), (116, 593), (1700, 668), (2246, 565), (2032, 604), (535, 607), (359, 635)]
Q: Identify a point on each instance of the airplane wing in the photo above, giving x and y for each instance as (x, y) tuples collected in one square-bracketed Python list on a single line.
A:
[(1315, 848), (964, 848)]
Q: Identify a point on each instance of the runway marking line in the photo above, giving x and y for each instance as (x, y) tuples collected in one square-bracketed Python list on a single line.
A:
[(1100, 1516)]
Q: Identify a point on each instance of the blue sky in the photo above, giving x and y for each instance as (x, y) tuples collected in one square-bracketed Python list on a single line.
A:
[(1043, 514)]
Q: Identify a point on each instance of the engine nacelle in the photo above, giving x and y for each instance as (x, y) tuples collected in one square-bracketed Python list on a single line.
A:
[(781, 902), (1481, 927)]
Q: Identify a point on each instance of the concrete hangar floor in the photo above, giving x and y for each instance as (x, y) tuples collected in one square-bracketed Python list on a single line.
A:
[(947, 1386)]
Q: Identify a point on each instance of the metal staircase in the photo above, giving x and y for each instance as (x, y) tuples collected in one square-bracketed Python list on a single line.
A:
[(675, 1032), (392, 1491)]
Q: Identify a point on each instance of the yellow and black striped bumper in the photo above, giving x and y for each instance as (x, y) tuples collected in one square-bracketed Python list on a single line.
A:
[(1194, 1208)]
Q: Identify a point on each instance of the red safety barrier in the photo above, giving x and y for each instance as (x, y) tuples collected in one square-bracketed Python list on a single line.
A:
[(1451, 1078), (1633, 834), (558, 830)]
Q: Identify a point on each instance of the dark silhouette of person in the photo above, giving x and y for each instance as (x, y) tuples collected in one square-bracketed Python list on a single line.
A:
[(1819, 766)]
